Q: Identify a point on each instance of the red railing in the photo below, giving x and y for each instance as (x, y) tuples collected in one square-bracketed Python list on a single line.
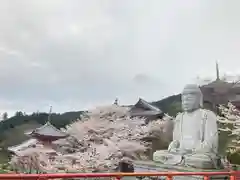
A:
[(233, 175)]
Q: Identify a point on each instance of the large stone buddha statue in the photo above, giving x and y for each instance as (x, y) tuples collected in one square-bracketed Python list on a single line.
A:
[(195, 135)]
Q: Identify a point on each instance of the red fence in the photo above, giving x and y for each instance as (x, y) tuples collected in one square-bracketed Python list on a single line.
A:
[(233, 175)]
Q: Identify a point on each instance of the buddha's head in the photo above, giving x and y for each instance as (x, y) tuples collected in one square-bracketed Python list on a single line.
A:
[(192, 98)]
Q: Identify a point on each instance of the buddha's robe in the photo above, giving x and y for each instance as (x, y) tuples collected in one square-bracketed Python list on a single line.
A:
[(195, 138)]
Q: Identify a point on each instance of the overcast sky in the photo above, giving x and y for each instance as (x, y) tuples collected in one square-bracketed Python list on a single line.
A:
[(75, 54)]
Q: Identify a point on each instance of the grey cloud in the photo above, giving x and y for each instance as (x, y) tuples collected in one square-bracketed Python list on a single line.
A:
[(76, 53)]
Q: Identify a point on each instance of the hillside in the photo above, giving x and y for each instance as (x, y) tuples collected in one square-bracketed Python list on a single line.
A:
[(20, 123), (170, 105), (9, 140)]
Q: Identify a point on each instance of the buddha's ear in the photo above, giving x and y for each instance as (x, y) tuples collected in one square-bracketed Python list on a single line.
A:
[(201, 99)]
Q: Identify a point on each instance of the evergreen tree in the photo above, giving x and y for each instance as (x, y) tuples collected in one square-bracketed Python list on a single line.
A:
[(5, 116)]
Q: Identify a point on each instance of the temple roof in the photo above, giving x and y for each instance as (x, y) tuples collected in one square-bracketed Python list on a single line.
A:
[(235, 98), (236, 85), (49, 130), (23, 145), (144, 108), (142, 104), (218, 84), (146, 113), (30, 146)]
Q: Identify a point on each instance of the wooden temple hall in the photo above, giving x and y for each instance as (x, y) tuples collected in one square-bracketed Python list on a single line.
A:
[(145, 109), (220, 92)]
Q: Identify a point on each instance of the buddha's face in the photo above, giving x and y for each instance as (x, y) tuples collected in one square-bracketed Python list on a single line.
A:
[(191, 97)]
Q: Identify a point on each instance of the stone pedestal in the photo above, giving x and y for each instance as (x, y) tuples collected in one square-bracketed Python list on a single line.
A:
[(150, 166)]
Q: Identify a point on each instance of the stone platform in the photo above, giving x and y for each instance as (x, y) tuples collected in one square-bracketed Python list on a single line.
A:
[(150, 166)]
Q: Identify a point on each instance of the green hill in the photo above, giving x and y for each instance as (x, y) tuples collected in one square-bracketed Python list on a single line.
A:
[(12, 130), (170, 105), (20, 123)]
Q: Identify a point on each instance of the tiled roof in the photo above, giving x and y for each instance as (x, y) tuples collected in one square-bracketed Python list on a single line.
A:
[(145, 105), (146, 113), (49, 130), (23, 145), (143, 108), (218, 84)]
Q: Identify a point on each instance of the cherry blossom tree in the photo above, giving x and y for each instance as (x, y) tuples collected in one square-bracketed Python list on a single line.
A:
[(98, 142), (229, 128), (229, 124)]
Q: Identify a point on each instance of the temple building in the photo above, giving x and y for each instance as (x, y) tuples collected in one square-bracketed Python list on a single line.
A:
[(145, 109), (47, 133), (43, 135), (234, 95), (220, 92), (23, 146)]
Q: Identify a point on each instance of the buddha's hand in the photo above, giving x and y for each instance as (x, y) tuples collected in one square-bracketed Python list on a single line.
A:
[(173, 146)]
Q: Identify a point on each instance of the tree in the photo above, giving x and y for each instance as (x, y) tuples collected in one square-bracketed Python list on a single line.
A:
[(5, 116), (99, 141), (229, 128), (175, 108), (19, 113)]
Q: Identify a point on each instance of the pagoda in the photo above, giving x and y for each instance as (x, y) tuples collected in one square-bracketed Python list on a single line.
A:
[(41, 137), (220, 92), (47, 133)]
